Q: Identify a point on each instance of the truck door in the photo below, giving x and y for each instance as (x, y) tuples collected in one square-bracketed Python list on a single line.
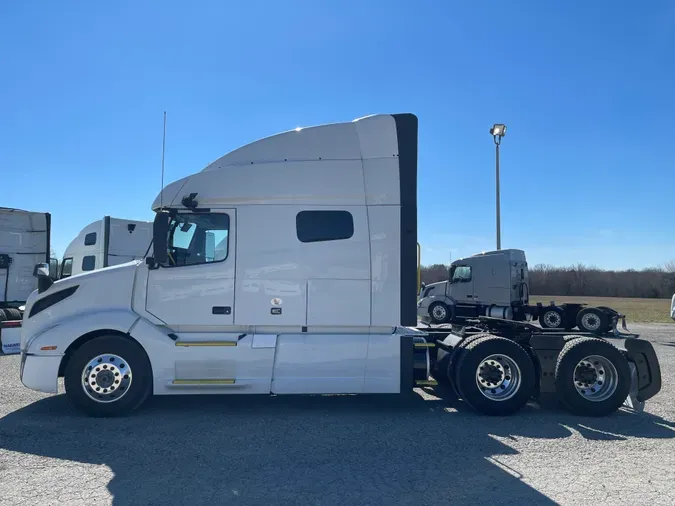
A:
[(196, 287), (461, 284)]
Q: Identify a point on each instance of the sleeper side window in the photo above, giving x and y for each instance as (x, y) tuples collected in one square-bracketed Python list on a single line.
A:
[(90, 239), (198, 239), (324, 225), (89, 263)]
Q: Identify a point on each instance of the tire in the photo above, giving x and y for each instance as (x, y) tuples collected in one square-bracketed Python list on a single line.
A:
[(3, 316), (450, 363), (552, 317), (12, 313), (130, 392), (592, 377), (593, 320), (439, 313), (501, 357)]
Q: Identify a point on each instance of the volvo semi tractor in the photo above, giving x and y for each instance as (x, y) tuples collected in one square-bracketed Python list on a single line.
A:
[(288, 266), (496, 284)]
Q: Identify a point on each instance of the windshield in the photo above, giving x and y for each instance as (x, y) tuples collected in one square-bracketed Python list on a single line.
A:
[(198, 238)]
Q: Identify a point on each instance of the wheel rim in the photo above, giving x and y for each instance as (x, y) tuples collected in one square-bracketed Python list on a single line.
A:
[(595, 378), (439, 312), (106, 378), (498, 377), (590, 321), (552, 319)]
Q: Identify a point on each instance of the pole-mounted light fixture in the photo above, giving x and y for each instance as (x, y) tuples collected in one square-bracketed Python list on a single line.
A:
[(498, 131)]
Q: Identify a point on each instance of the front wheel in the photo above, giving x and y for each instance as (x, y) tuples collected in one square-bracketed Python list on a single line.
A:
[(495, 376), (108, 376), (439, 313)]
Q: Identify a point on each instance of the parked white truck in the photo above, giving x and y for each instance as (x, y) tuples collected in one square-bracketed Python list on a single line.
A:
[(496, 284), (288, 266), (24, 242), (106, 242)]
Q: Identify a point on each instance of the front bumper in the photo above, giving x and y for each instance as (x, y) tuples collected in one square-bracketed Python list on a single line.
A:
[(40, 372)]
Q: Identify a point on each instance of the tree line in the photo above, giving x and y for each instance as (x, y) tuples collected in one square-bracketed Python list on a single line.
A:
[(580, 280)]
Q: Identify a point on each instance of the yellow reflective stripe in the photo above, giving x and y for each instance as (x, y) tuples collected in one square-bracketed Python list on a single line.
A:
[(204, 382), (206, 343)]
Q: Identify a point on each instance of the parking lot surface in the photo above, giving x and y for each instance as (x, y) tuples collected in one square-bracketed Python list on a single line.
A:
[(334, 450)]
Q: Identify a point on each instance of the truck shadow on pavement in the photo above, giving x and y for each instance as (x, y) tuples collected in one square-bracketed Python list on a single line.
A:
[(296, 450)]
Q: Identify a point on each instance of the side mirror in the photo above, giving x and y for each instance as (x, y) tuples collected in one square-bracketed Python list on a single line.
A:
[(160, 232), (53, 269), (41, 272)]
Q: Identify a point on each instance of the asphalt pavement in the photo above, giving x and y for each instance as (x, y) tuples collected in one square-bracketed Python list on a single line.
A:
[(334, 450)]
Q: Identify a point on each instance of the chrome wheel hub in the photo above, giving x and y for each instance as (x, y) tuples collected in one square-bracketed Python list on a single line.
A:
[(552, 319), (590, 321), (106, 378), (439, 313), (595, 378), (498, 377)]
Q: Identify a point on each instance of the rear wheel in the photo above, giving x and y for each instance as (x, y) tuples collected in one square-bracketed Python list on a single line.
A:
[(495, 376), (592, 377), (552, 317), (593, 320), (108, 376)]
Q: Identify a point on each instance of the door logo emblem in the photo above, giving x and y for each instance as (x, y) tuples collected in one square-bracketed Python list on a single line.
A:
[(276, 301)]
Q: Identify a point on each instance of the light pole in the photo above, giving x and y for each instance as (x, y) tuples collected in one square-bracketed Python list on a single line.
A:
[(498, 131)]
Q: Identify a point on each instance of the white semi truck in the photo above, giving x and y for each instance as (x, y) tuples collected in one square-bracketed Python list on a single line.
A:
[(496, 284), (288, 266), (106, 242)]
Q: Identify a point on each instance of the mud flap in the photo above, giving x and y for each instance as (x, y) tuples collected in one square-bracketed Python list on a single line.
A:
[(632, 401), (642, 357)]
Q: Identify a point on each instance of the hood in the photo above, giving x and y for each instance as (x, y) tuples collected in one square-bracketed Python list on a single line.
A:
[(109, 288)]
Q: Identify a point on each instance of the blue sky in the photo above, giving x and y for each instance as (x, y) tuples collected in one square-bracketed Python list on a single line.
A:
[(584, 87)]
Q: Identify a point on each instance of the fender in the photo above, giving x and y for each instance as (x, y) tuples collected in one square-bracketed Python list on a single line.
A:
[(62, 333)]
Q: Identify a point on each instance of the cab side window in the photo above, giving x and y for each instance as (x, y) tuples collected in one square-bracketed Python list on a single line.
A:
[(461, 274), (198, 238)]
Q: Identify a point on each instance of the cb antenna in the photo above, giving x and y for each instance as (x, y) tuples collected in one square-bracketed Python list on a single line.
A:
[(161, 191)]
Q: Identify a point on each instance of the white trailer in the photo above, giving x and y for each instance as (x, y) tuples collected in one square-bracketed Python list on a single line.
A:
[(106, 242), (24, 242), (289, 266)]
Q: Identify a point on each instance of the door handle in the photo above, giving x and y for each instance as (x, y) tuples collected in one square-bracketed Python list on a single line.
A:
[(221, 310)]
